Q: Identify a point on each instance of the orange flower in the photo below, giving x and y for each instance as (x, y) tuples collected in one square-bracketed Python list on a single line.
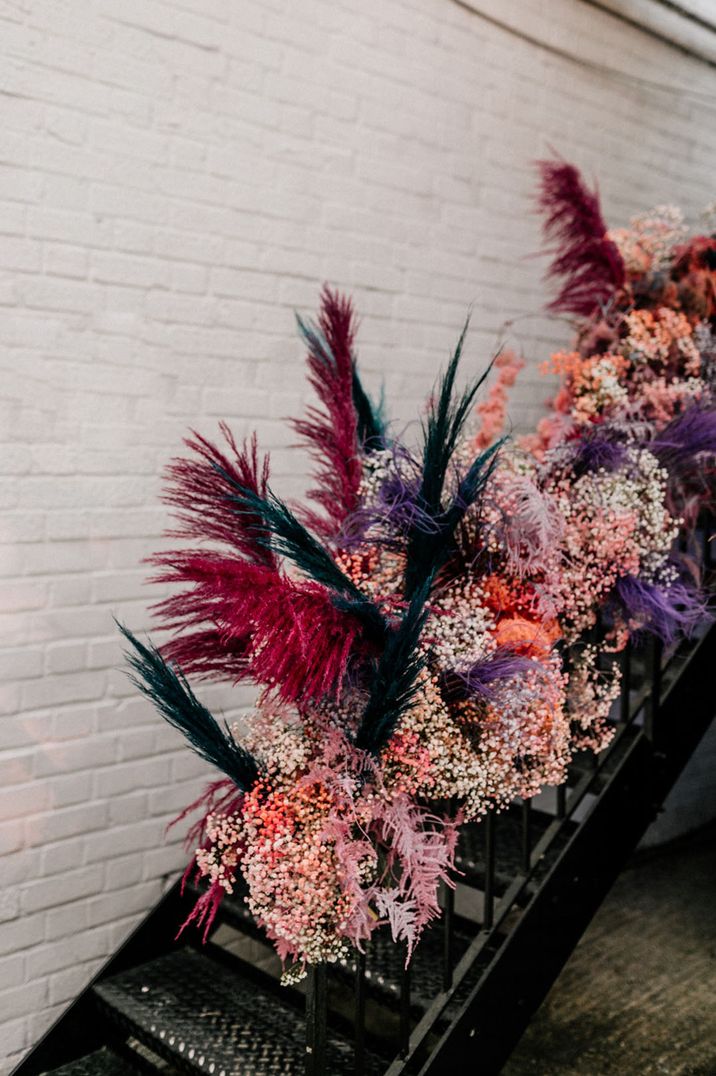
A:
[(527, 637)]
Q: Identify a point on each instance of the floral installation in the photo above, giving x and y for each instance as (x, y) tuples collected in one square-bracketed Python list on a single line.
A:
[(424, 636)]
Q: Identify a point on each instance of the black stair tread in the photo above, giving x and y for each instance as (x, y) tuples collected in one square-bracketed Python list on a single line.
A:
[(103, 1062), (205, 1017)]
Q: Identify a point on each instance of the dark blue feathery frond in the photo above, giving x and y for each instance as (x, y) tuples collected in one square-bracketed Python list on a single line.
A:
[(445, 421), (288, 538), (168, 690), (396, 678), (370, 417)]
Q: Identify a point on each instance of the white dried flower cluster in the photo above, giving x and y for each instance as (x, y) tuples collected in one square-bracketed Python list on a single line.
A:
[(461, 630)]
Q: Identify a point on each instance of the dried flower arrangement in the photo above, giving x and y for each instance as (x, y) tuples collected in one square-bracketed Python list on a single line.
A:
[(407, 632)]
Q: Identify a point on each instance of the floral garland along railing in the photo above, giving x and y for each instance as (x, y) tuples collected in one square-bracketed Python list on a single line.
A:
[(407, 632)]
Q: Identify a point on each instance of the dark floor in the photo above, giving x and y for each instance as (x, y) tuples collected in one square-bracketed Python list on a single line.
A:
[(638, 995)]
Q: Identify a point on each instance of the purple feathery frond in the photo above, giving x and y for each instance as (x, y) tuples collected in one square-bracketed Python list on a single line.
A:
[(666, 610), (587, 260), (686, 437), (398, 503), (394, 509), (484, 676), (597, 452)]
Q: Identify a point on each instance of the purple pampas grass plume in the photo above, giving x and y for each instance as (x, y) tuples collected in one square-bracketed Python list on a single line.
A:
[(691, 434), (484, 677), (664, 609), (597, 452)]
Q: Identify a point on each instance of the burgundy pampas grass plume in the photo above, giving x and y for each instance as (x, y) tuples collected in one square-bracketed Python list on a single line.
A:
[(331, 431), (588, 261), (202, 489), (283, 633)]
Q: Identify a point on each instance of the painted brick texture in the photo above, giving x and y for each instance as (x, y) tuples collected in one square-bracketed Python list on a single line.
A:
[(176, 178)]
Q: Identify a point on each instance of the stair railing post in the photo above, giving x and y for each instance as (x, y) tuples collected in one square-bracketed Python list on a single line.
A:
[(405, 1006), (448, 927), (489, 894), (359, 1015), (653, 702), (316, 1021), (625, 692)]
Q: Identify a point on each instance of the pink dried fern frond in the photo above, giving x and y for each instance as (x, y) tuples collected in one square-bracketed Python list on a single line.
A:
[(421, 850)]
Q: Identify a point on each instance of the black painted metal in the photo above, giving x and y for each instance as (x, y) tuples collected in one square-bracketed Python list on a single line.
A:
[(448, 931), (316, 1020), (80, 1030), (489, 894), (359, 1006), (526, 834), (405, 1006), (624, 700)]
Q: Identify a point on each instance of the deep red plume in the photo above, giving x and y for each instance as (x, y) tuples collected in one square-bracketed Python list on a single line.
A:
[(589, 262), (280, 632), (331, 431), (203, 491)]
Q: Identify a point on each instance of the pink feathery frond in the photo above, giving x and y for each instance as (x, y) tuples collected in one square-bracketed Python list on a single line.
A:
[(421, 855), (284, 633), (204, 911), (203, 490), (332, 430), (589, 262)]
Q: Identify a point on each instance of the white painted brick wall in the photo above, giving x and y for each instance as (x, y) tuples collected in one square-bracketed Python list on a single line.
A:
[(175, 179)]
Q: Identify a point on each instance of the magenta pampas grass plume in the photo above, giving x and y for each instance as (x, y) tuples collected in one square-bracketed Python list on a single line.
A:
[(588, 261), (283, 633), (203, 490)]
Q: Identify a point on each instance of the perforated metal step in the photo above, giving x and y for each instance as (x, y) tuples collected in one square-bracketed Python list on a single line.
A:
[(102, 1062), (204, 1017)]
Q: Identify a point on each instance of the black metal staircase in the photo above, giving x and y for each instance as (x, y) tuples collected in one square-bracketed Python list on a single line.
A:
[(532, 878)]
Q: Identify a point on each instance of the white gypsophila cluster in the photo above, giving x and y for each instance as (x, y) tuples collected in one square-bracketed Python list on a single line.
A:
[(376, 467), (657, 529), (461, 629), (275, 736)]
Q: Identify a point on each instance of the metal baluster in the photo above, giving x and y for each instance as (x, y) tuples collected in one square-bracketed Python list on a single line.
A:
[(561, 801), (489, 909), (653, 701), (405, 1008), (316, 1021), (526, 835), (359, 1054), (448, 925), (624, 699)]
